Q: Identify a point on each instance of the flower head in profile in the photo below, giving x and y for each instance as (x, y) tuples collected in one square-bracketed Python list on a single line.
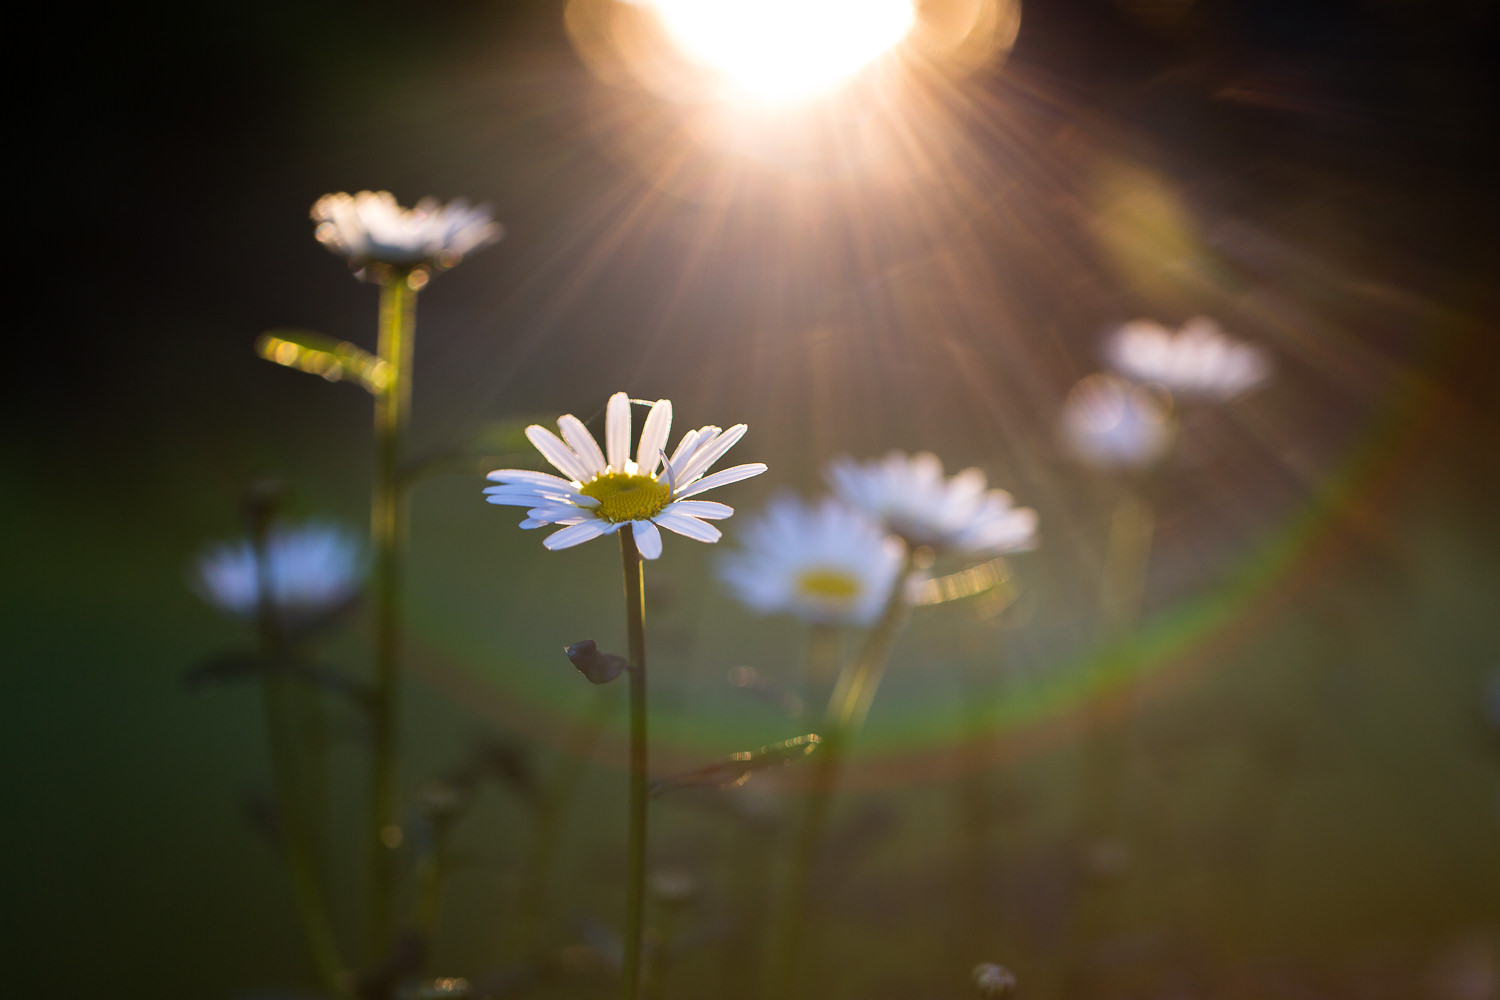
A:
[(315, 569), (909, 495), (1108, 421), (369, 228), (824, 563), (1197, 361), (601, 491)]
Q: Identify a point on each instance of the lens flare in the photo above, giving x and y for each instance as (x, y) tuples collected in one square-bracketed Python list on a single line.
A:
[(780, 50)]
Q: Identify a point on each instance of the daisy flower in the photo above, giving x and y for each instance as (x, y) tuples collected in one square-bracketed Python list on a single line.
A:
[(909, 495), (827, 563), (370, 228), (602, 491), (1199, 360), (1108, 421), (315, 569)]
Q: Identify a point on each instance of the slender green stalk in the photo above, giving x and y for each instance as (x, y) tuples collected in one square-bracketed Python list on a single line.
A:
[(1126, 561), (398, 301), (635, 879), (296, 825), (846, 711)]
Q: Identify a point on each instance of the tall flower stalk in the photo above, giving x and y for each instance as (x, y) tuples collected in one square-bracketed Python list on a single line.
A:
[(297, 826), (388, 517), (635, 876), (909, 497), (842, 717), (288, 581), (399, 249)]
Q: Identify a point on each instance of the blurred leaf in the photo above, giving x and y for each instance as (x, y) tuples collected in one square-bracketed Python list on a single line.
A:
[(334, 360), (737, 768), (991, 576), (222, 668)]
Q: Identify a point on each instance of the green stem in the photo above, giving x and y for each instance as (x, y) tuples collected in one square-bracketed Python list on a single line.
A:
[(398, 301), (846, 711), (296, 825), (1104, 757), (635, 883)]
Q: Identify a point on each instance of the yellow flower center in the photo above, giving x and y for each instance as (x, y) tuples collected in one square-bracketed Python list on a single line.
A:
[(627, 498), (828, 584)]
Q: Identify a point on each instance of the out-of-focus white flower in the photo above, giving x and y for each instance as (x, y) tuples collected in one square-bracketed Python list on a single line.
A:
[(599, 496), (909, 495), (993, 980), (827, 563), (370, 228), (315, 569), (1199, 360), (1111, 422)]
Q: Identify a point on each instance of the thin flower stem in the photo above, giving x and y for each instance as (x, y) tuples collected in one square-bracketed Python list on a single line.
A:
[(1103, 750), (846, 711), (635, 880), (296, 825), (398, 301)]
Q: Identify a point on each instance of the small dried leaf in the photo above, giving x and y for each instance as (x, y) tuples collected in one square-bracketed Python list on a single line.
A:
[(599, 668), (737, 768)]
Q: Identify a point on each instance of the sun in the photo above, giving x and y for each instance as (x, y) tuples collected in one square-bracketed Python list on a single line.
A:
[(785, 50)]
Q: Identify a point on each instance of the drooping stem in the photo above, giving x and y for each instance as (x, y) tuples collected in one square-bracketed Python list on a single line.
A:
[(635, 879), (847, 707), (398, 300), (296, 825)]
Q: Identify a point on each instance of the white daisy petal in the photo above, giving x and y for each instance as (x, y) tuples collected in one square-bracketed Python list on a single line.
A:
[(705, 455), (910, 497), (706, 509), (528, 476), (1198, 361), (689, 527), (582, 443), (647, 539), (617, 431), (685, 447), (654, 437), (560, 455), (723, 478), (510, 501), (577, 534)]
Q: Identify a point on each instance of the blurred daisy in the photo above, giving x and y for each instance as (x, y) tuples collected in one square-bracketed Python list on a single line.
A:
[(370, 228), (315, 569), (1199, 360), (827, 563), (909, 495), (599, 494), (1110, 422)]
